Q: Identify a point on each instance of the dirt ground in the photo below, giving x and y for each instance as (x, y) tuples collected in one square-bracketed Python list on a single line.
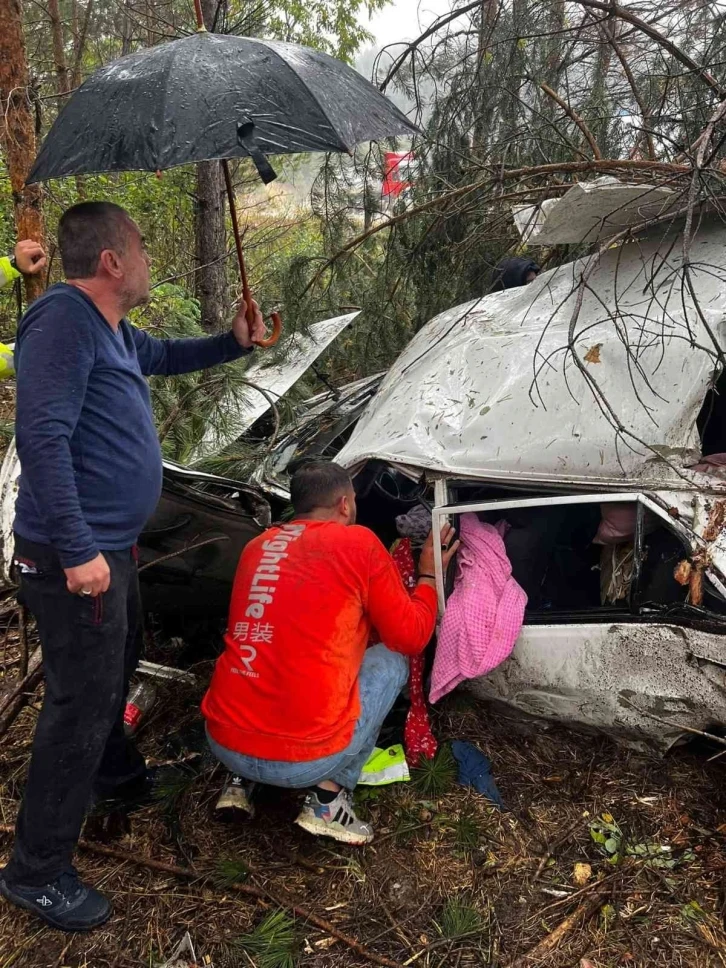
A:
[(450, 880)]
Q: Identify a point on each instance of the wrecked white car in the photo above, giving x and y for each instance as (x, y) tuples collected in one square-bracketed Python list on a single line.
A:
[(559, 408)]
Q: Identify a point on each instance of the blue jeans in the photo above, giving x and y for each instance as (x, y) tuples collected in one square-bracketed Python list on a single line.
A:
[(382, 676)]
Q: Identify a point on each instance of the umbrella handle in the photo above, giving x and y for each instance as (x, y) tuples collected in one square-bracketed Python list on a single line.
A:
[(274, 335), (246, 293)]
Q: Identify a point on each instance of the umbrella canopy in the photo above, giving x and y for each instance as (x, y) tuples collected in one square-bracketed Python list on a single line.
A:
[(213, 96)]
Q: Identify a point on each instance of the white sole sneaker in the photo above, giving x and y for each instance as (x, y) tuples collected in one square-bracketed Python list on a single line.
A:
[(234, 800), (319, 828)]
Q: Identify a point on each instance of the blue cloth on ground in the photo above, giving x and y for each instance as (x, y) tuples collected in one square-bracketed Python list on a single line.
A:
[(475, 770)]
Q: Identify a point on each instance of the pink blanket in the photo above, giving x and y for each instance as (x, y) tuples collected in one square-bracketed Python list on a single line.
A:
[(484, 613)]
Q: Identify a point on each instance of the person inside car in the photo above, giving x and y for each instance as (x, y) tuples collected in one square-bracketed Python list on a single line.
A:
[(513, 272)]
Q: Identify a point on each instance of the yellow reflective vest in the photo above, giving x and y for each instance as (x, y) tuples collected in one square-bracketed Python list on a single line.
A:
[(7, 275)]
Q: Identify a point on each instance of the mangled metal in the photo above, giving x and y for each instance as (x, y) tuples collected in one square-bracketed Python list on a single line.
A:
[(274, 377), (499, 388), (592, 211), (646, 670), (639, 683)]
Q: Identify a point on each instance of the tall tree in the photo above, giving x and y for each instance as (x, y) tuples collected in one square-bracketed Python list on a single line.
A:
[(59, 51), (209, 228), (17, 130)]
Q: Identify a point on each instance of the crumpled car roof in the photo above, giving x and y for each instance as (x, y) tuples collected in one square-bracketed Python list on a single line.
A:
[(488, 389)]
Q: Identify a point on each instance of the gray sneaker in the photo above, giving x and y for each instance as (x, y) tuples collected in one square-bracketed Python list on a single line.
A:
[(235, 799), (336, 819)]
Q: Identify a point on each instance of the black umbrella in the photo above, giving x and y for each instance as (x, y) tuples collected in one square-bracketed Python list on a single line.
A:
[(212, 96)]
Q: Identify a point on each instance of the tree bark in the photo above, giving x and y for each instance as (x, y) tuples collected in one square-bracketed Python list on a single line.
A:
[(17, 131), (59, 50), (80, 42), (210, 231)]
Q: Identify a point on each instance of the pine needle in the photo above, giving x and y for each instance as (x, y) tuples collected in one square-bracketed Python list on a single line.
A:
[(272, 943), (230, 871), (435, 777), (458, 919), (466, 833)]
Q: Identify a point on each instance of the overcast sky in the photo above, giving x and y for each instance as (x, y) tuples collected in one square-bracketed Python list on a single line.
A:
[(404, 19)]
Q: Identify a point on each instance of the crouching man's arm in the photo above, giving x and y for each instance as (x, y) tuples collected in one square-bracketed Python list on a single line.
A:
[(405, 622)]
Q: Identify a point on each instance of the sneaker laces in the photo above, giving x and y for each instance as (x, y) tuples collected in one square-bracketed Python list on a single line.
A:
[(68, 883), (345, 814)]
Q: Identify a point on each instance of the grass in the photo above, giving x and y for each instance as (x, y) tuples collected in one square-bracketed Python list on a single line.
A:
[(230, 871), (435, 777), (459, 919), (271, 944), (467, 832)]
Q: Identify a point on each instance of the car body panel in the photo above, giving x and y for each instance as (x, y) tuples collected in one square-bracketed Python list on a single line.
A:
[(490, 391), (642, 675)]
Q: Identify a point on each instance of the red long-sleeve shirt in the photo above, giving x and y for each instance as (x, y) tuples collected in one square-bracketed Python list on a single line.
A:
[(304, 600)]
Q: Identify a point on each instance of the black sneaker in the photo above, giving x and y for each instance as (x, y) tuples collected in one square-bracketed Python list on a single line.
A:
[(67, 903)]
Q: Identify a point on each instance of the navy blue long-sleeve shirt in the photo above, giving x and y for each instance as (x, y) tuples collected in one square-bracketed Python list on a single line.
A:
[(90, 459)]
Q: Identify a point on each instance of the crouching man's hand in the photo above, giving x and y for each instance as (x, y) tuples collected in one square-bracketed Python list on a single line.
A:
[(247, 333), (92, 579), (449, 547)]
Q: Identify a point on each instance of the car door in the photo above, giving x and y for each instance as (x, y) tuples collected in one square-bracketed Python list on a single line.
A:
[(635, 667)]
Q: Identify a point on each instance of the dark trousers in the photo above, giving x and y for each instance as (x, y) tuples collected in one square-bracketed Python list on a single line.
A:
[(90, 649)]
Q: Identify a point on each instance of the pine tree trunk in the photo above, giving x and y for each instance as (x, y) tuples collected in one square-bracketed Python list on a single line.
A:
[(17, 132), (210, 246), (210, 231), (487, 21), (59, 51), (81, 37), (126, 29)]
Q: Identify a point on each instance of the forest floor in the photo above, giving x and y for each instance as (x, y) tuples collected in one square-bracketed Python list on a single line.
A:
[(449, 881)]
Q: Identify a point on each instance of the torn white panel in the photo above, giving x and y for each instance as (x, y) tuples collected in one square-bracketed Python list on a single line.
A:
[(275, 376), (529, 219), (9, 480), (488, 390), (593, 211)]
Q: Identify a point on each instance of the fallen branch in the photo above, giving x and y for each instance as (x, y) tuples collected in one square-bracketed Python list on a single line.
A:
[(575, 118), (538, 954), (556, 846), (565, 167), (14, 701), (181, 551), (261, 896), (622, 13), (669, 722), (440, 22), (642, 107)]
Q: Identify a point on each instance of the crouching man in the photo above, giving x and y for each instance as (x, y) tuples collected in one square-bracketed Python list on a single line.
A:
[(297, 700)]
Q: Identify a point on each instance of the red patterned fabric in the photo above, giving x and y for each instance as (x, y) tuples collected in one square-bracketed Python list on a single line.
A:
[(418, 739)]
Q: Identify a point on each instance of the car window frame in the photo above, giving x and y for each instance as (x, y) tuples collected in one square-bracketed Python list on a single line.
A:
[(443, 511)]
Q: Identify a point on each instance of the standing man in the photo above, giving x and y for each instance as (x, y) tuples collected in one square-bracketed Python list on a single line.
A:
[(91, 475)]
